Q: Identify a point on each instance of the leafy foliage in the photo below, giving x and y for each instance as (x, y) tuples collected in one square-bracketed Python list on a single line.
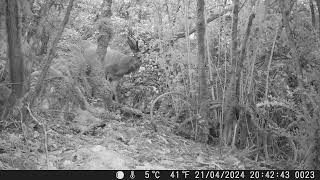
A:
[(281, 119)]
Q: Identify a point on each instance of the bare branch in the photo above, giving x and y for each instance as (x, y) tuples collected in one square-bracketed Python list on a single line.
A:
[(49, 57), (210, 19)]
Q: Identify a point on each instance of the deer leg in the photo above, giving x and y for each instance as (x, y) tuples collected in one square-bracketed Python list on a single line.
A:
[(114, 85)]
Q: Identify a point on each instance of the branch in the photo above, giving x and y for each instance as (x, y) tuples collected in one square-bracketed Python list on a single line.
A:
[(185, 99), (292, 44), (244, 44), (210, 19), (49, 57)]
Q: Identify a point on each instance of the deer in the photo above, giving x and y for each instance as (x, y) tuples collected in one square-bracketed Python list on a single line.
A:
[(116, 64)]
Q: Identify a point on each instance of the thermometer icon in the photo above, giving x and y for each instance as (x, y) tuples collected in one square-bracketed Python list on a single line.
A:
[(132, 176)]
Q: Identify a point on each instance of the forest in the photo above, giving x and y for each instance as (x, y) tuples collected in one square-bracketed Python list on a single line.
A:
[(159, 84)]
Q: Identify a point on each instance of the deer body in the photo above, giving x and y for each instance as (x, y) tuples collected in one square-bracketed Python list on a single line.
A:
[(115, 64)]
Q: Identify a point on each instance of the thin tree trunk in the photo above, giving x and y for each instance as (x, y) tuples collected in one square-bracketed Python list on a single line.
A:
[(158, 21), (49, 57), (105, 29), (187, 28), (203, 98), (292, 44), (239, 66), (269, 63), (318, 6), (36, 27), (313, 16), (103, 88)]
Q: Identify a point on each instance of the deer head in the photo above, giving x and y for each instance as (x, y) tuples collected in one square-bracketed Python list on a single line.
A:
[(116, 64)]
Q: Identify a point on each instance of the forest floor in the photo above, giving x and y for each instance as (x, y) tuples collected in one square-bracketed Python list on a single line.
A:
[(113, 144)]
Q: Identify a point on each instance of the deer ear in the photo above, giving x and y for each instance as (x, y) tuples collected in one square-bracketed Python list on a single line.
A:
[(133, 44)]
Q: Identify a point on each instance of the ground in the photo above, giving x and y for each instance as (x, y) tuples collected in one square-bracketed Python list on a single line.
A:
[(110, 144)]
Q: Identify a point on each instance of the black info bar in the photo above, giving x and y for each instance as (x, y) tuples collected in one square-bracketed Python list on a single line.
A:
[(164, 174)]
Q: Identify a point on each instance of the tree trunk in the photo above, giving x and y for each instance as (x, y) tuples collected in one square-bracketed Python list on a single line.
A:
[(14, 49), (313, 16), (3, 33), (102, 87), (318, 6), (105, 29), (203, 94), (45, 37), (235, 112), (242, 115), (37, 28), (295, 54), (158, 23), (15, 58), (232, 100)]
